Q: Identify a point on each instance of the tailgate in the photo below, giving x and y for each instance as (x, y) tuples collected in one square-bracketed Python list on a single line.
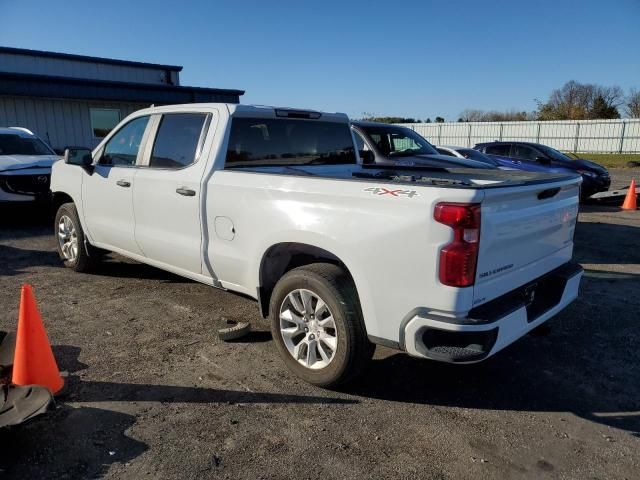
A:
[(525, 232)]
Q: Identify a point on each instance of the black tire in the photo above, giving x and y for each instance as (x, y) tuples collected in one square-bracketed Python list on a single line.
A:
[(337, 290), (87, 256)]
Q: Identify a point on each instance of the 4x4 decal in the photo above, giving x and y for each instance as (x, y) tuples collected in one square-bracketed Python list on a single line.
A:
[(392, 193)]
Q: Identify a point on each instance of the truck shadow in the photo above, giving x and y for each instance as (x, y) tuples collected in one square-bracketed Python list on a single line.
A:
[(83, 442), (505, 383), (19, 221), (79, 390), (607, 243), (116, 266), (15, 261), (589, 365)]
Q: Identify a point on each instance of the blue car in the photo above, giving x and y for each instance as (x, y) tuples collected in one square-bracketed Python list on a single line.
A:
[(541, 158)]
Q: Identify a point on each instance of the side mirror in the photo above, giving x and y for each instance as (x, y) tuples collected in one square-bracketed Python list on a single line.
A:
[(367, 156), (543, 160), (79, 156)]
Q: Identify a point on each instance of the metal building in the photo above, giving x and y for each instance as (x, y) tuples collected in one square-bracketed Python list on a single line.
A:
[(76, 100)]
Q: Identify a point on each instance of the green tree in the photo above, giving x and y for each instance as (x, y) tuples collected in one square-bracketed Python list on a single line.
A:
[(374, 118), (601, 109), (439, 120)]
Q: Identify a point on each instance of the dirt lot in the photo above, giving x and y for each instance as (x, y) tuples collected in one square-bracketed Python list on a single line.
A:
[(152, 392)]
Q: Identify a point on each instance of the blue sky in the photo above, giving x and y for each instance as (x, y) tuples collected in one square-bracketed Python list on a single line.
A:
[(410, 58)]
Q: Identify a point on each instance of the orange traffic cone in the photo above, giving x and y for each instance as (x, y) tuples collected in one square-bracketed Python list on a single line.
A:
[(630, 202), (33, 361)]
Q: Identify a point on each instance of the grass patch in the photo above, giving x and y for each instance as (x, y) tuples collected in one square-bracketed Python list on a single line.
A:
[(611, 160)]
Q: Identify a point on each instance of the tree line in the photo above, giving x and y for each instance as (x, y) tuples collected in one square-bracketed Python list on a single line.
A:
[(372, 117), (573, 101)]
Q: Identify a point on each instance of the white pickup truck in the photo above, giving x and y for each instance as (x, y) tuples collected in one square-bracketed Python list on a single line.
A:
[(445, 264)]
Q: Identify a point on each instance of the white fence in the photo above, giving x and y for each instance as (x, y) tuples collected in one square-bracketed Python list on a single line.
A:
[(587, 136)]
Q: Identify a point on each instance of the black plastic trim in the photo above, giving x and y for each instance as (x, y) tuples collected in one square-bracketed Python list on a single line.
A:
[(548, 193), (452, 346), (515, 299), (384, 342), (264, 308)]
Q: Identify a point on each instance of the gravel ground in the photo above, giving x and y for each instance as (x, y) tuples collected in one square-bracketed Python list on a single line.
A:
[(152, 392)]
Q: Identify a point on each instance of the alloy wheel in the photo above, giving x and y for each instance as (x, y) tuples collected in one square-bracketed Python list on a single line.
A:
[(308, 329), (67, 238)]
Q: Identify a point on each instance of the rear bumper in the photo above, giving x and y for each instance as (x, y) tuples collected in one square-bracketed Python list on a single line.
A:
[(496, 324)]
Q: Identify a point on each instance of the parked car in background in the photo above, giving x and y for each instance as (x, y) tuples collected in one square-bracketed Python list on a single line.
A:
[(470, 154), (25, 166), (538, 157), (386, 144)]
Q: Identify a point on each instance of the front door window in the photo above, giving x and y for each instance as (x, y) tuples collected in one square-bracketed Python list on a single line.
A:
[(122, 149)]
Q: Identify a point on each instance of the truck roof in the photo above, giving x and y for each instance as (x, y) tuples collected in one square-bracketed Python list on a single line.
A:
[(266, 111)]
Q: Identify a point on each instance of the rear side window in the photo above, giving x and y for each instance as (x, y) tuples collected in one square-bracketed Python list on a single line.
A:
[(524, 152), (498, 150), (177, 140), (269, 142)]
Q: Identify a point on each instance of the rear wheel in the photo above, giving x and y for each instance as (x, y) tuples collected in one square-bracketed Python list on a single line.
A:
[(317, 325), (72, 248)]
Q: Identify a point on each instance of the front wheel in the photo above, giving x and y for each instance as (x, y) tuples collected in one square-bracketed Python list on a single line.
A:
[(317, 325), (71, 240)]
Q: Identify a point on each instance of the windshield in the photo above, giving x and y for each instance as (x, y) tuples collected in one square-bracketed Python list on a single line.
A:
[(11, 144), (272, 142), (472, 154), (398, 141), (553, 153)]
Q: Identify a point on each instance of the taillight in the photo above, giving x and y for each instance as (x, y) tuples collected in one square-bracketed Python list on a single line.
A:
[(458, 259)]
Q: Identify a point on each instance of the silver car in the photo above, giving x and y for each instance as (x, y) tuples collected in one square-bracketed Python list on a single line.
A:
[(25, 166)]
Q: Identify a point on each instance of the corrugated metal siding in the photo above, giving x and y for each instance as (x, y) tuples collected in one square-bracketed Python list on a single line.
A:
[(588, 136), (16, 63), (58, 122)]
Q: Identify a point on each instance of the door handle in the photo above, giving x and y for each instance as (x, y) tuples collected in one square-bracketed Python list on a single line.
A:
[(123, 183), (187, 192)]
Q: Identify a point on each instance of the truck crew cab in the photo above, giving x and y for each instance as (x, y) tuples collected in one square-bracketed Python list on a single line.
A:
[(448, 264)]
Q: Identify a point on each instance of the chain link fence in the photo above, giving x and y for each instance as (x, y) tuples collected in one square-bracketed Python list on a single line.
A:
[(585, 136)]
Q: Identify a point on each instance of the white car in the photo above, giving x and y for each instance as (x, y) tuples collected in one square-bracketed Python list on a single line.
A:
[(25, 166), (445, 264)]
